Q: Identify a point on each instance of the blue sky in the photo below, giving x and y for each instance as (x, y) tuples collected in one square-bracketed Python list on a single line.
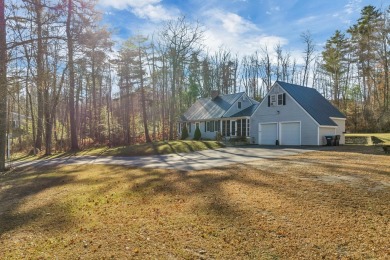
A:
[(241, 26)]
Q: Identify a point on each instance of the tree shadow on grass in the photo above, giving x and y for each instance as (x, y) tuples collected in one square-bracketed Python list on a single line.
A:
[(17, 187), (189, 147), (217, 196)]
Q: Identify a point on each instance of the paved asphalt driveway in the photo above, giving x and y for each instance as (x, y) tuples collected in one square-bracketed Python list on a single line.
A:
[(184, 161)]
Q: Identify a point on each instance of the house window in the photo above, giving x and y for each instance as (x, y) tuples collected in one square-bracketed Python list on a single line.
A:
[(244, 125), (280, 99), (239, 127), (197, 125), (226, 128), (239, 105), (217, 126), (189, 127), (273, 100), (233, 127)]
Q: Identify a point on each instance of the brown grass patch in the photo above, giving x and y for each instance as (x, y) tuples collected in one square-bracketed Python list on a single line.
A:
[(330, 204)]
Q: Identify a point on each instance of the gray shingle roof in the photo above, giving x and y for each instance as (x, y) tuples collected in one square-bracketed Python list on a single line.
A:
[(313, 102), (206, 108), (247, 111)]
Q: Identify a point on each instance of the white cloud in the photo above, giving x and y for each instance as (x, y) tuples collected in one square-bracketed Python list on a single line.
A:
[(353, 6), (273, 9), (230, 22), (155, 13), (145, 9), (309, 19), (346, 15), (123, 4), (233, 32)]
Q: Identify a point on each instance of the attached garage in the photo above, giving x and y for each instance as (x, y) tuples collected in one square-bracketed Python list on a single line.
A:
[(290, 133), (268, 133)]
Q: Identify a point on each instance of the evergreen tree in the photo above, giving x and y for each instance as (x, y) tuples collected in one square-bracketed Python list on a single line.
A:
[(184, 133), (197, 134), (334, 62)]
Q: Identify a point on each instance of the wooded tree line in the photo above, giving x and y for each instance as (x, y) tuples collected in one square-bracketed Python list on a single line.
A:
[(69, 85)]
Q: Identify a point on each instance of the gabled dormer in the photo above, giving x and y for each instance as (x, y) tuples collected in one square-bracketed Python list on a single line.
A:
[(276, 96), (241, 103)]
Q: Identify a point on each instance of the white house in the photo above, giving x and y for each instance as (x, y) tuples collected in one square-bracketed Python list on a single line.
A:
[(288, 115), (227, 114)]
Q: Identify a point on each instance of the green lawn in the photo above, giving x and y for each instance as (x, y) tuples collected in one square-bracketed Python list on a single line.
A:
[(145, 149), (155, 148)]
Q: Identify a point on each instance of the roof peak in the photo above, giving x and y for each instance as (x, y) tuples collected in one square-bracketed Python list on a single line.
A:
[(293, 84), (242, 92)]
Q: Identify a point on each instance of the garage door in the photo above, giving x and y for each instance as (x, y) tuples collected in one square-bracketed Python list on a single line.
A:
[(268, 133), (290, 133)]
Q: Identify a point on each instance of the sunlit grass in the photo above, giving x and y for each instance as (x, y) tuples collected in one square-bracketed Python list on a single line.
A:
[(146, 149), (306, 206)]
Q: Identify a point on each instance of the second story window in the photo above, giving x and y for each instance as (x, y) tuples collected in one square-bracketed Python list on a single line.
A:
[(280, 99), (239, 105)]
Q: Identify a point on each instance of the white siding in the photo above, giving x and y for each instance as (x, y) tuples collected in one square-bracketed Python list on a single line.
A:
[(290, 112), (245, 103), (204, 134), (340, 128), (324, 131)]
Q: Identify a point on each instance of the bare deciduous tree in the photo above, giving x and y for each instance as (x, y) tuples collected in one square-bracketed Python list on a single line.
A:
[(3, 87)]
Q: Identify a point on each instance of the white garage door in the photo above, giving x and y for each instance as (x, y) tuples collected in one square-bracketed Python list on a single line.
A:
[(268, 133), (290, 133)]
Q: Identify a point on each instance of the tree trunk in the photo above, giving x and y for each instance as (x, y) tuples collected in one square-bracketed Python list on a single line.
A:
[(40, 79), (3, 87), (48, 124), (94, 126), (144, 115), (173, 100), (73, 133)]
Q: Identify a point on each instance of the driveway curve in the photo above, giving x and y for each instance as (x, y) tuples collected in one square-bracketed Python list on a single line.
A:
[(199, 160)]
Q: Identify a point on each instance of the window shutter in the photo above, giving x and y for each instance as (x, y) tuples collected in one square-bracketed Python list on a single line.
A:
[(284, 99), (269, 100)]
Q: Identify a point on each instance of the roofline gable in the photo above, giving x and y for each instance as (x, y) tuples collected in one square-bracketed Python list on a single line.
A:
[(266, 100), (233, 103), (296, 102)]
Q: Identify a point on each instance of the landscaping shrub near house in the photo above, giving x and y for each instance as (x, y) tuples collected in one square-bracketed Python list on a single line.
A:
[(239, 140), (184, 133), (197, 134), (218, 136)]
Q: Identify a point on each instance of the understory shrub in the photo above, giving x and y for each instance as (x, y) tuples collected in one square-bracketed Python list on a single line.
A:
[(197, 134), (184, 133)]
